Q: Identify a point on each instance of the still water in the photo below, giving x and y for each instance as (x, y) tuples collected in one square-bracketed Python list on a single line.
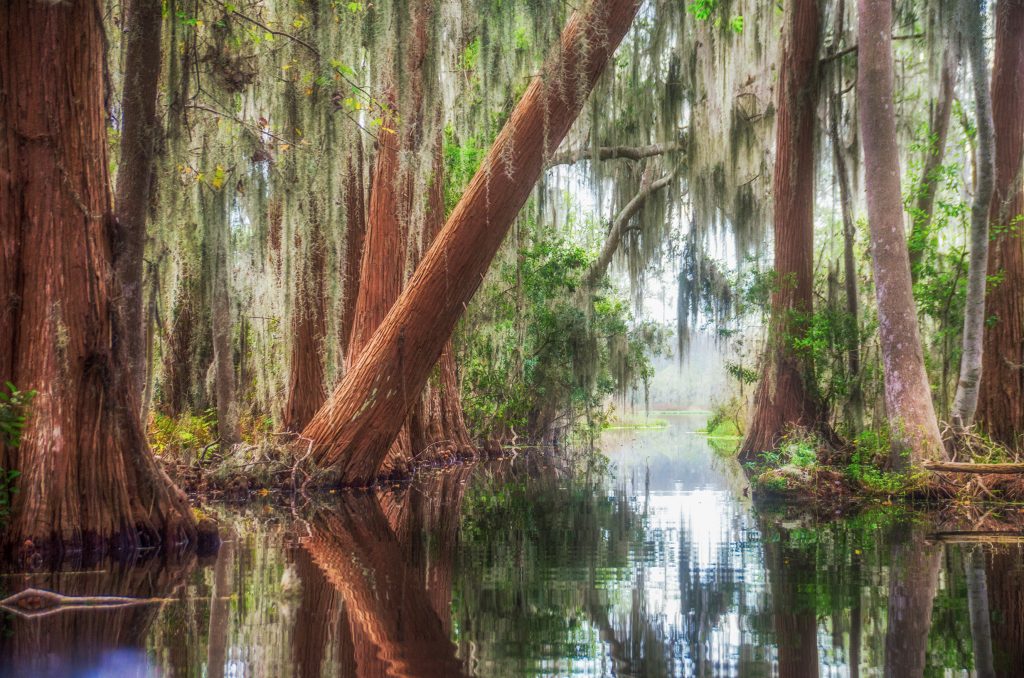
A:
[(659, 566)]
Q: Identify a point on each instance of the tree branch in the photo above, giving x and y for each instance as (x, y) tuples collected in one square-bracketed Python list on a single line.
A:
[(612, 152)]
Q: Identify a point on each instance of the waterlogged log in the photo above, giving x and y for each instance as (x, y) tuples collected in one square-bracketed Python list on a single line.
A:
[(357, 425), (970, 467)]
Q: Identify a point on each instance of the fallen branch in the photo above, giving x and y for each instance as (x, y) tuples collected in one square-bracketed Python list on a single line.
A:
[(978, 537), (968, 467), (39, 602)]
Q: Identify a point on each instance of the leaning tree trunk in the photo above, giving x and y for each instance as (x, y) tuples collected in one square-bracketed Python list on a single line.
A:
[(362, 417), (88, 480), (139, 130), (965, 403), (1001, 401), (914, 429), (437, 426), (786, 394)]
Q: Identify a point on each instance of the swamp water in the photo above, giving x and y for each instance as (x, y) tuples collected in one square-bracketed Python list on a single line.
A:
[(660, 567)]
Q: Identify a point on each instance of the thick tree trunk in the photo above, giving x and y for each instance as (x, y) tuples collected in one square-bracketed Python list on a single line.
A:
[(794, 619), (139, 130), (786, 395), (914, 429), (393, 621), (1005, 580), (361, 419), (913, 582), (88, 478), (965, 403), (306, 389), (437, 426), (1001, 401), (927, 186)]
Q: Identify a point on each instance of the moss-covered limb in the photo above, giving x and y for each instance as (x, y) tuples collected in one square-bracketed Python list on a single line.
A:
[(612, 153)]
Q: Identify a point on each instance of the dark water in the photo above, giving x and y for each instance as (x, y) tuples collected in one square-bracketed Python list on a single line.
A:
[(661, 567)]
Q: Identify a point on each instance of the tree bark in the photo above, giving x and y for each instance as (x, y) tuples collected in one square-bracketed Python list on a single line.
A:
[(355, 236), (786, 395), (856, 397), (1001, 400), (88, 478), (965, 402), (794, 618), (306, 389), (913, 583), (914, 429), (218, 236), (362, 417), (139, 130), (924, 205), (1003, 569), (977, 607), (437, 426)]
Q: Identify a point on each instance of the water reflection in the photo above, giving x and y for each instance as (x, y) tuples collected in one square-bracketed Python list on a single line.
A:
[(519, 568)]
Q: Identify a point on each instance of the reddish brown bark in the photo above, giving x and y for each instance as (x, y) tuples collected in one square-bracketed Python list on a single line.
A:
[(64, 642), (785, 396), (139, 130), (394, 625), (794, 618), (1005, 578), (437, 426), (363, 416), (1001, 400), (913, 426), (88, 478), (306, 389), (355, 236)]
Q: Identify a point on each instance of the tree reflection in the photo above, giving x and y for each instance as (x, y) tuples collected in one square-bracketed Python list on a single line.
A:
[(101, 641)]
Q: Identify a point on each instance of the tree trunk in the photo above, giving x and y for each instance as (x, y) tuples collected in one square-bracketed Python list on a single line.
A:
[(393, 621), (794, 619), (88, 478), (1005, 580), (913, 583), (220, 609), (306, 390), (219, 235), (1001, 406), (786, 394), (364, 414), (437, 426), (965, 403), (855, 402), (924, 205), (914, 429), (977, 608), (139, 130), (355, 235)]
